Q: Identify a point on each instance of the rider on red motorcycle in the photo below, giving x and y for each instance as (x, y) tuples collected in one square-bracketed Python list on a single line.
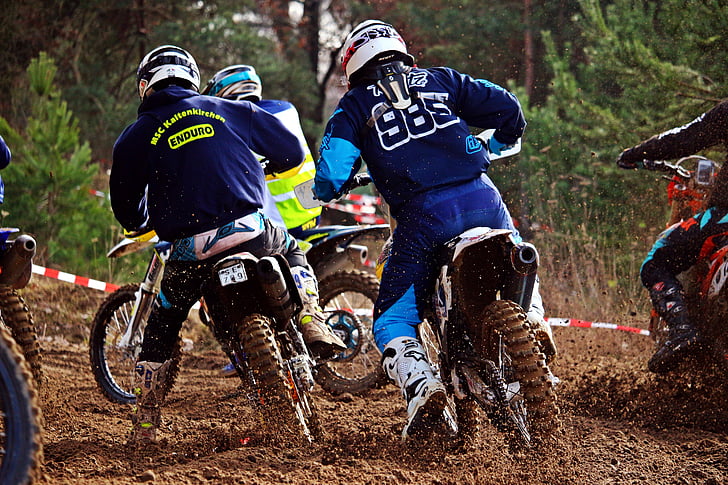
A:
[(680, 246)]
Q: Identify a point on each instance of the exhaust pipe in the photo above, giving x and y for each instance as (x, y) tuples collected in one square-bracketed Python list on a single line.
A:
[(524, 258), (16, 264), (282, 305), (519, 288), (357, 254)]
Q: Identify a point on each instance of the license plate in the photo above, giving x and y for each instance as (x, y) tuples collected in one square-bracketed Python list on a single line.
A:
[(232, 274)]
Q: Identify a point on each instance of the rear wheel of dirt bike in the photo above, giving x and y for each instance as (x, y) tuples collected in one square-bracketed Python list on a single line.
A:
[(288, 412), (533, 408), (347, 298), (21, 448), (19, 320), (112, 365)]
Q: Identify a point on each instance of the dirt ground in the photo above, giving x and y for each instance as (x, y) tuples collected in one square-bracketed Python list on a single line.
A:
[(620, 424)]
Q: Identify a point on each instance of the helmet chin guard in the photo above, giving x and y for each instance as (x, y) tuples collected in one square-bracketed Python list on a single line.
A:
[(394, 84)]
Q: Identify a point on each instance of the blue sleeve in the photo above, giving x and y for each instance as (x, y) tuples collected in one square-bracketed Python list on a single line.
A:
[(5, 154), (270, 137), (338, 157), (128, 181), (486, 105)]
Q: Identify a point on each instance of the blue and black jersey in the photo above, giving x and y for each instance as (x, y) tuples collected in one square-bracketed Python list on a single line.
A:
[(426, 146), (707, 130)]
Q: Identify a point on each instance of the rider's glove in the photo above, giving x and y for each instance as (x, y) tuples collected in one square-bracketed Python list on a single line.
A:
[(626, 164), (495, 147)]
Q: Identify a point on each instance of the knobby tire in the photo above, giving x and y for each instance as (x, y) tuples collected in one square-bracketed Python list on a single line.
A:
[(19, 320), (529, 366), (113, 377), (277, 398), (362, 371), (20, 439)]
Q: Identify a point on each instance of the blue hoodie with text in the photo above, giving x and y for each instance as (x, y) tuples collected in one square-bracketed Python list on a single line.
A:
[(187, 162)]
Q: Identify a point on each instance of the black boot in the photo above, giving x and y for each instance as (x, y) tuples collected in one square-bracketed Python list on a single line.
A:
[(681, 341), (682, 337)]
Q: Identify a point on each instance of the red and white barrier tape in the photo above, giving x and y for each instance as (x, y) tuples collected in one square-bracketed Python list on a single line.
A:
[(110, 287), (370, 219), (366, 199), (73, 279), (573, 322), (353, 208)]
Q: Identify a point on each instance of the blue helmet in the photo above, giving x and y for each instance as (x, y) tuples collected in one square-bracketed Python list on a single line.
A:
[(238, 82)]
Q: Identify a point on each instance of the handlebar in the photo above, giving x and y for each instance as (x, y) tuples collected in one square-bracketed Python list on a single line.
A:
[(663, 166)]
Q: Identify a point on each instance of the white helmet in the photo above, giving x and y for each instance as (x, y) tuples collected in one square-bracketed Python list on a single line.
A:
[(238, 82), (166, 62), (368, 41)]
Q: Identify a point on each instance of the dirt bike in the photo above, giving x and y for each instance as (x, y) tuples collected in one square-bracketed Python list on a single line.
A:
[(16, 263), (705, 283), (476, 334), (346, 294), (480, 343), (21, 448), (248, 305), (252, 305)]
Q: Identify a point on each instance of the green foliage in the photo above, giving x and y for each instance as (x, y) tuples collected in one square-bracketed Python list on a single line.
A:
[(48, 183), (640, 76)]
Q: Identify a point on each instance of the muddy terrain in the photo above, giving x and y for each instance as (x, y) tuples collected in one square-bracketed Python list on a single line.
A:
[(620, 424)]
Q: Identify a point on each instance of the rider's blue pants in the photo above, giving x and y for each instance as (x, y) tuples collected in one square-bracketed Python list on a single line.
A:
[(422, 227)]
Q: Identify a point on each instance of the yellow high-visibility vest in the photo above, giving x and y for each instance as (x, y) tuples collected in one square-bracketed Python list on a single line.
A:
[(280, 186)]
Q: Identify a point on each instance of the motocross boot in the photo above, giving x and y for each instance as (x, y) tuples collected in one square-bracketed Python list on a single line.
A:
[(544, 335), (682, 336), (320, 339), (149, 387), (405, 362)]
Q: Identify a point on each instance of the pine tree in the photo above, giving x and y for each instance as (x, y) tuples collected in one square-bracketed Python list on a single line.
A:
[(50, 179)]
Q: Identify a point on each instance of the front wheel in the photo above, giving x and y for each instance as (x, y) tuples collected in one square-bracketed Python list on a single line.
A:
[(21, 449), (347, 298), (111, 363)]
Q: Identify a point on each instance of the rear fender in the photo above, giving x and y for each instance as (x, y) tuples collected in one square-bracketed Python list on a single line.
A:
[(488, 264), (230, 300), (339, 247)]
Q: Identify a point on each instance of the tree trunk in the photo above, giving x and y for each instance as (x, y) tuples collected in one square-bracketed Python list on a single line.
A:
[(529, 67)]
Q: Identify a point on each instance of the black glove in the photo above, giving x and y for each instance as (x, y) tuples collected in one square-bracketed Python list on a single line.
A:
[(624, 162)]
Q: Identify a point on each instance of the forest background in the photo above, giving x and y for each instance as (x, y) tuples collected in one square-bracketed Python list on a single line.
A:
[(594, 77)]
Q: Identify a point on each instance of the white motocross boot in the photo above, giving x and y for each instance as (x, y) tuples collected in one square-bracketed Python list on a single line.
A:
[(535, 317), (405, 362), (320, 339), (149, 387)]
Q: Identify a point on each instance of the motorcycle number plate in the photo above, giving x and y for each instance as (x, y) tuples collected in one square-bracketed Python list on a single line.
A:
[(232, 274)]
